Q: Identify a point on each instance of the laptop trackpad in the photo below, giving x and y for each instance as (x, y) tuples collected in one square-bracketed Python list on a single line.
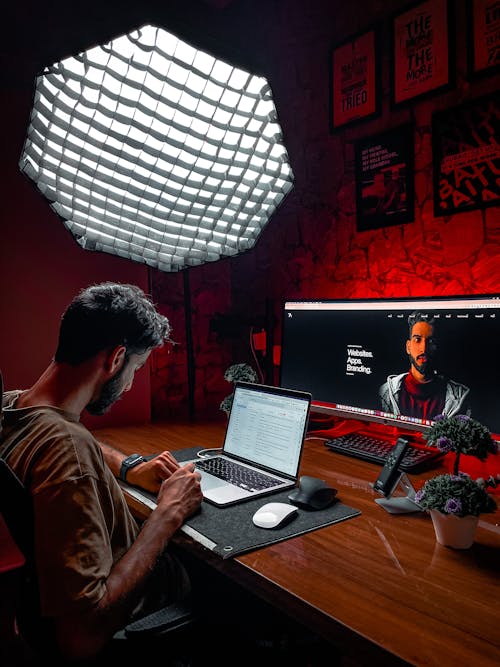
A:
[(209, 482), (222, 495)]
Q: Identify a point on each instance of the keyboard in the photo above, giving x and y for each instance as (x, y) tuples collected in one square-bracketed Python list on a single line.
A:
[(245, 478), (375, 450)]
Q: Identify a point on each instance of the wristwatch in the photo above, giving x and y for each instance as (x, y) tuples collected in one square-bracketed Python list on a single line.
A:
[(129, 462)]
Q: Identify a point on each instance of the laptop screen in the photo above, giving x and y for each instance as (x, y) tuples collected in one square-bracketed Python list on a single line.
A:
[(267, 426)]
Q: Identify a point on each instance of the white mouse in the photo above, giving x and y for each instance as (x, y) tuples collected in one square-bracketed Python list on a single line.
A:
[(274, 515)]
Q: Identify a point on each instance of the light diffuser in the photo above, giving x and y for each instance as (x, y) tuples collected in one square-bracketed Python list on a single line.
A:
[(150, 149)]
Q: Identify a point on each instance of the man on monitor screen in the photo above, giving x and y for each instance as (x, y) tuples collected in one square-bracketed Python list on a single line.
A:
[(422, 392)]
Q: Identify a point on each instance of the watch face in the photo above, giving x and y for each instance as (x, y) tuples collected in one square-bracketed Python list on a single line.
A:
[(132, 460)]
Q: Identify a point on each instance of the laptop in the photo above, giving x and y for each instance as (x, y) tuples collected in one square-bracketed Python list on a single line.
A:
[(262, 446)]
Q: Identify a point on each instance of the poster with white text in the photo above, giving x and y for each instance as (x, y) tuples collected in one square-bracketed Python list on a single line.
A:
[(421, 50), (384, 179), (354, 80), (466, 156)]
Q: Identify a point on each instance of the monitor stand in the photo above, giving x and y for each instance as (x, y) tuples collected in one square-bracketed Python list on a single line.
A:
[(402, 504)]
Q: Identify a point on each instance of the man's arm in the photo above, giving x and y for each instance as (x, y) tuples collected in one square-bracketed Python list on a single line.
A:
[(148, 475), (84, 635)]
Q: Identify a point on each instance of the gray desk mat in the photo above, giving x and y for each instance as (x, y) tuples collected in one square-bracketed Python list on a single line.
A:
[(229, 531)]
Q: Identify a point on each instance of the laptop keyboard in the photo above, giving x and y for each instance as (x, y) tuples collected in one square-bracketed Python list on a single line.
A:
[(245, 478)]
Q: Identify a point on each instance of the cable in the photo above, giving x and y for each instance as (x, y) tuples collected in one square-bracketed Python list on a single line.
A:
[(206, 453)]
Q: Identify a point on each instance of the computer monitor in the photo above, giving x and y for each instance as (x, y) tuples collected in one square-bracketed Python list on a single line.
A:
[(343, 353)]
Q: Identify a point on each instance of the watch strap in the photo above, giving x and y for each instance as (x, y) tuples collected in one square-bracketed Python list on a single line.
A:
[(129, 462)]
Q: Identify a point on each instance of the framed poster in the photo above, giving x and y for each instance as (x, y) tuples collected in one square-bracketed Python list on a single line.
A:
[(466, 156), (422, 41), (354, 80), (384, 169), (483, 37)]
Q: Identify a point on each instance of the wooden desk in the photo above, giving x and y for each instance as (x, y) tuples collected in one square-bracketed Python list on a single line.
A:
[(378, 586)]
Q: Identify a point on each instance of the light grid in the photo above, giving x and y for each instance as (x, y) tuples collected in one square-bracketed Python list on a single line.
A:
[(150, 149)]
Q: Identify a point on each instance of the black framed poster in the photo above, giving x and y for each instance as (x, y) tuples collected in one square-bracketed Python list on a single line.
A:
[(466, 156), (384, 166), (422, 47), (483, 37), (354, 80)]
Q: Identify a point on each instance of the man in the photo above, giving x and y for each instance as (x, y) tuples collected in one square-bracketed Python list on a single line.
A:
[(422, 392), (95, 566)]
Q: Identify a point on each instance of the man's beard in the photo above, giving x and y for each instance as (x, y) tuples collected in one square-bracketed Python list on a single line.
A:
[(110, 393), (426, 368)]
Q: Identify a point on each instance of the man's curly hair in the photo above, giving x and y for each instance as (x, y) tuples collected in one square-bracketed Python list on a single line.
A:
[(103, 316)]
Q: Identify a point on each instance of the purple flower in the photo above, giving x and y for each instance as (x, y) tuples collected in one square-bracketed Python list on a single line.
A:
[(419, 495), (453, 506), (444, 444), (463, 418), (439, 418)]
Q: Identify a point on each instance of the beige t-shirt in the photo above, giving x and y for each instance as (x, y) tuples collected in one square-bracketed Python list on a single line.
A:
[(82, 523)]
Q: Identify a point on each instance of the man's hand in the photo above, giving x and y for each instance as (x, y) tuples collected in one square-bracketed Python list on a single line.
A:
[(150, 474), (180, 495)]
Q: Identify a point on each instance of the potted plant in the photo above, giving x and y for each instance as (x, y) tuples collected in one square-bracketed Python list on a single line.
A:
[(455, 500), (237, 372)]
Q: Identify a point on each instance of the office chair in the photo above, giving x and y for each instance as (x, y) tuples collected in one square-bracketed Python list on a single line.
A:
[(163, 631)]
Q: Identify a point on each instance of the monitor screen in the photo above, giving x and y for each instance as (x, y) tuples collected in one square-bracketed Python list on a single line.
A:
[(396, 361)]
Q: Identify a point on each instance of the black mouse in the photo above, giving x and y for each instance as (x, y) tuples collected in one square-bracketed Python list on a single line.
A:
[(312, 493)]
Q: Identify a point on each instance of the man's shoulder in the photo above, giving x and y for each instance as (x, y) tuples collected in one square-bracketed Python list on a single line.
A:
[(456, 387), (50, 444), (10, 397), (456, 383), (395, 380), (35, 414)]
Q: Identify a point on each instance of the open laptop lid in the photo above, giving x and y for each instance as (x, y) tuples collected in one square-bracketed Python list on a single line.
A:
[(267, 426)]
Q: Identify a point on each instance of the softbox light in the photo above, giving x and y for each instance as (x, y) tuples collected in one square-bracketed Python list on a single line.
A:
[(150, 149)]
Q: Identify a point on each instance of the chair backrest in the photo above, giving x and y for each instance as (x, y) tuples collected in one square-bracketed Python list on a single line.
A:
[(1, 402), (16, 507), (15, 502), (12, 556)]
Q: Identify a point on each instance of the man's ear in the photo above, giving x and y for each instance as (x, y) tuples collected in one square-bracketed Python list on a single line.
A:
[(407, 347), (116, 359)]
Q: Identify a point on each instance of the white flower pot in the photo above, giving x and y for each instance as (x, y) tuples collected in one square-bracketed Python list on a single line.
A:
[(454, 531)]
